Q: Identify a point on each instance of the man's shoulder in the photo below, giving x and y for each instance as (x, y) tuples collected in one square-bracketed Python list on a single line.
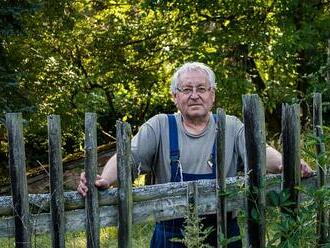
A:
[(232, 118), (157, 121), (159, 118), (234, 121)]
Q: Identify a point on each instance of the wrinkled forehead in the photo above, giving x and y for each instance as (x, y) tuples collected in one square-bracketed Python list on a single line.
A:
[(194, 76)]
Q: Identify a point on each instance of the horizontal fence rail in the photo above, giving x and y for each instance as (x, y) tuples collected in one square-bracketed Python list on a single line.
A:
[(150, 203)]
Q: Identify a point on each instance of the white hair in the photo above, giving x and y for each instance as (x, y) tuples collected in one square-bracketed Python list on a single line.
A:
[(192, 66)]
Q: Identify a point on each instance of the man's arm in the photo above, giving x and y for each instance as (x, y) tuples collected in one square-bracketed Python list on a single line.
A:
[(107, 178), (273, 160), (274, 163), (144, 145), (109, 173)]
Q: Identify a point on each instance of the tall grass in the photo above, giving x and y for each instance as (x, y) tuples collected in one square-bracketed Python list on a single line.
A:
[(108, 236)]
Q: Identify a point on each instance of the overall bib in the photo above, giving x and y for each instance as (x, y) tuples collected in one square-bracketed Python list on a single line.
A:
[(166, 230)]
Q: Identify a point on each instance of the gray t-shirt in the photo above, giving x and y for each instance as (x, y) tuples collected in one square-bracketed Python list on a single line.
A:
[(151, 152)]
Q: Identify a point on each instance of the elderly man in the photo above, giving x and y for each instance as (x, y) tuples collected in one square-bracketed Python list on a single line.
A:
[(180, 147)]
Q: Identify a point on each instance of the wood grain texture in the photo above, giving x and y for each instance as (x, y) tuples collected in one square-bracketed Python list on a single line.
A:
[(255, 140), (56, 181), (17, 169), (91, 200)]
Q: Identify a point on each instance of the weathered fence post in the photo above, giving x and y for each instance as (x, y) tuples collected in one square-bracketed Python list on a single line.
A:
[(91, 200), (18, 180), (221, 177), (192, 196), (291, 154), (255, 140), (124, 168), (320, 152), (56, 181)]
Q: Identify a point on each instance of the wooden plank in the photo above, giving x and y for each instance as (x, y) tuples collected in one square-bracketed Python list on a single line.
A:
[(56, 181), (255, 140), (17, 169), (166, 206), (221, 177), (321, 170), (192, 196), (124, 168), (291, 154), (40, 203), (91, 200)]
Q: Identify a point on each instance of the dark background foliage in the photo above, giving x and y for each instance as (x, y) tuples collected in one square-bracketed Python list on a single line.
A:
[(115, 58)]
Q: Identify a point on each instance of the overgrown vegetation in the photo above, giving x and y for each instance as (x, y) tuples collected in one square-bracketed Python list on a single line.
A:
[(194, 232), (286, 231), (283, 229), (108, 238)]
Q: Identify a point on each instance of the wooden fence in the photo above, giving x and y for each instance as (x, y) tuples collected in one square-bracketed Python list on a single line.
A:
[(59, 212)]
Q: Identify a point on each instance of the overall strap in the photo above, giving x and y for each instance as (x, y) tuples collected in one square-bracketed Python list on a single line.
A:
[(174, 146), (214, 148)]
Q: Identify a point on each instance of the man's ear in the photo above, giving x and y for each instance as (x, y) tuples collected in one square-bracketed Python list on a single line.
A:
[(213, 96), (173, 97)]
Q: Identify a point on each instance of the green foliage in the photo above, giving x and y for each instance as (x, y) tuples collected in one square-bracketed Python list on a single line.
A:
[(280, 199), (298, 229), (108, 238), (116, 58), (194, 232), (12, 98), (286, 231)]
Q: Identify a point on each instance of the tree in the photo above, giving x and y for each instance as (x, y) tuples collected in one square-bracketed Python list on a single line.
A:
[(116, 58), (12, 98)]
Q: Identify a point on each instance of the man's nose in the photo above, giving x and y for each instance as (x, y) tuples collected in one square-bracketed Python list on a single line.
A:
[(194, 93)]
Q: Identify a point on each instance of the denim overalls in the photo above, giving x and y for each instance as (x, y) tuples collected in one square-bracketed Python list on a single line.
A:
[(166, 230)]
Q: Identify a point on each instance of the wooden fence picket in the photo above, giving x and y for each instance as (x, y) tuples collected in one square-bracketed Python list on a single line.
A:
[(91, 200), (56, 181), (291, 155), (255, 139), (221, 178), (192, 197), (124, 170), (17, 168)]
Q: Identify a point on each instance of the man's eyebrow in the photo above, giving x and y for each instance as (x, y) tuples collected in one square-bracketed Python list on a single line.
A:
[(198, 83)]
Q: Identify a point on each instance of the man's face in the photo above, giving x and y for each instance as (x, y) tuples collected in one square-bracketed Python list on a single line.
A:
[(194, 97)]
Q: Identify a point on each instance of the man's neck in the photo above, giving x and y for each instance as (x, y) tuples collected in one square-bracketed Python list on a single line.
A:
[(196, 125)]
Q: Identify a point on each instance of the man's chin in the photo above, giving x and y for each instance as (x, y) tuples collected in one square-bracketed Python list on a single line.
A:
[(197, 114)]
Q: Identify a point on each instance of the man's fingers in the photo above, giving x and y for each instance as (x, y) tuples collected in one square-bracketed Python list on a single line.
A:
[(82, 189), (102, 183), (98, 177), (83, 177), (306, 171), (99, 182)]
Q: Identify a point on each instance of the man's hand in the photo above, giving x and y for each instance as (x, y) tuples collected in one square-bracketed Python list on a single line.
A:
[(305, 170), (100, 182), (274, 163)]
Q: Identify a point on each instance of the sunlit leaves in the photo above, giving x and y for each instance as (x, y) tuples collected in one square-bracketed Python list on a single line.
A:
[(116, 57)]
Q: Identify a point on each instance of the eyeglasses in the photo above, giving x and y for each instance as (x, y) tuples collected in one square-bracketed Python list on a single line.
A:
[(189, 90)]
